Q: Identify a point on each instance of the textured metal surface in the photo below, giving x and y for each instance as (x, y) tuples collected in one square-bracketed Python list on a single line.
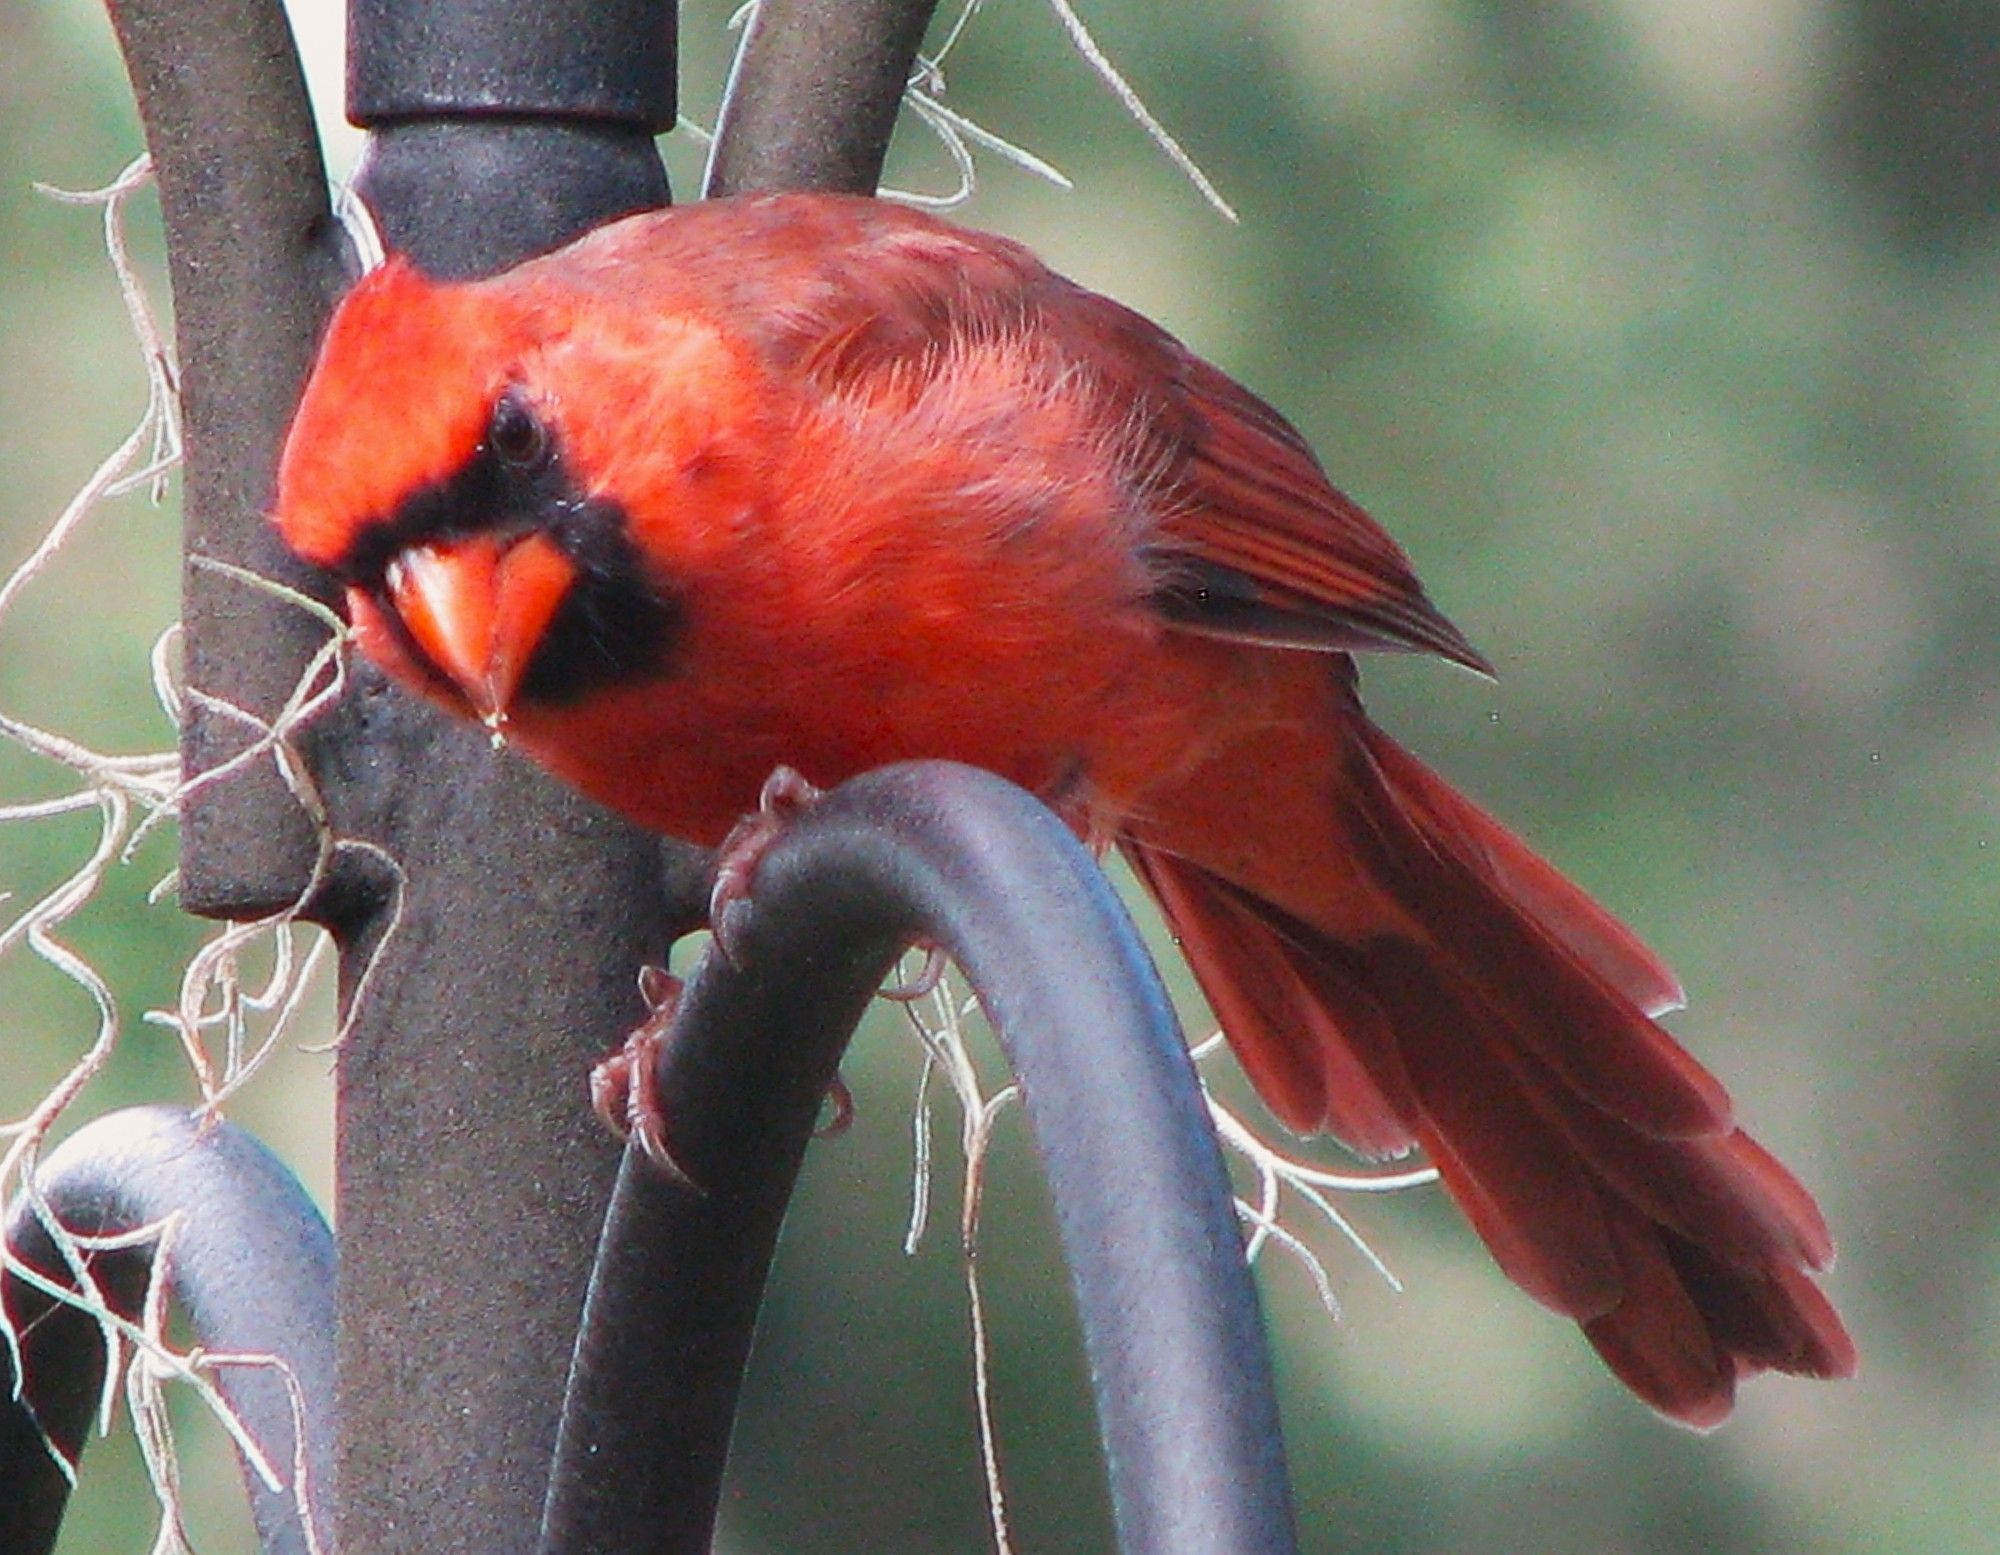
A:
[(469, 196), (254, 262), (814, 95), (599, 59), (251, 1268), (1170, 1318), (498, 954)]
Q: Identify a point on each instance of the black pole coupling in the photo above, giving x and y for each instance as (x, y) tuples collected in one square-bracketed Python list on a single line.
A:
[(500, 130), (580, 59)]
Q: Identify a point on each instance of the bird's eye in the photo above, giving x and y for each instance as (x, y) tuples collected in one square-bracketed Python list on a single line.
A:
[(516, 434)]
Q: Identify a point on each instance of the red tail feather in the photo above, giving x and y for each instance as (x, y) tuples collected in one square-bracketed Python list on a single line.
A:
[(1478, 1004)]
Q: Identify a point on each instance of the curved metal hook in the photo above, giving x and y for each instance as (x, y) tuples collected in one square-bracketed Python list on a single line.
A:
[(1170, 1318), (251, 1263)]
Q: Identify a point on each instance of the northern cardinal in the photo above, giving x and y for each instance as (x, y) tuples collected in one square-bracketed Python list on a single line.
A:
[(820, 482)]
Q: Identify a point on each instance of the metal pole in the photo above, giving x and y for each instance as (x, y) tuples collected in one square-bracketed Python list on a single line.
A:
[(493, 960)]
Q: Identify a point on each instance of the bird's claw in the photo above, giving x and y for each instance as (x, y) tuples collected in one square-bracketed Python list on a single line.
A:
[(662, 992), (784, 795), (624, 1088), (842, 1100), (929, 975)]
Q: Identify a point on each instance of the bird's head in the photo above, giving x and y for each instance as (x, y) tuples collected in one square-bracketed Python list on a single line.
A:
[(501, 475)]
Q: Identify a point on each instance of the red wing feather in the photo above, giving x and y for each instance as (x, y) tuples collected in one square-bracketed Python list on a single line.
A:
[(1253, 541), (1257, 505), (1250, 539)]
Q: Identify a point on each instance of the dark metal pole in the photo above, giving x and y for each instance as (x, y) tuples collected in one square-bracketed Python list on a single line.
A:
[(251, 1265), (814, 95), (498, 962), (255, 262), (506, 964)]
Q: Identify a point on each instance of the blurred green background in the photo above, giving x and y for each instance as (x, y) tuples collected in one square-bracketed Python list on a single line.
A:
[(1667, 338)]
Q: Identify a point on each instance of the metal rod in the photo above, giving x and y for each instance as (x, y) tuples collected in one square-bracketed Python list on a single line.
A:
[(813, 97), (255, 261), (498, 950)]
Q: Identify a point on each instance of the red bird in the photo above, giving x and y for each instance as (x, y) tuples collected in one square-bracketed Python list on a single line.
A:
[(820, 482)]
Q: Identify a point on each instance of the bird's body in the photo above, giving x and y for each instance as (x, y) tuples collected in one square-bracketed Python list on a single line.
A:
[(819, 482)]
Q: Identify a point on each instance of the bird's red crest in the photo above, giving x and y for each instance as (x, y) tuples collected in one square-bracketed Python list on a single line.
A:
[(397, 399)]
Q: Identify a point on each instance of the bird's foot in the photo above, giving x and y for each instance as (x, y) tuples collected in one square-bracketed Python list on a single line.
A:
[(624, 1089), (785, 794)]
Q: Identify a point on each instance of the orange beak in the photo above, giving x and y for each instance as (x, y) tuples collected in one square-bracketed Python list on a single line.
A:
[(478, 607)]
